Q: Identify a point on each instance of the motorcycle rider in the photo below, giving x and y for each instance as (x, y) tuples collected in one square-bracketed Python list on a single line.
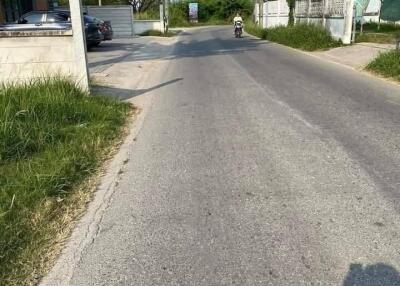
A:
[(237, 18)]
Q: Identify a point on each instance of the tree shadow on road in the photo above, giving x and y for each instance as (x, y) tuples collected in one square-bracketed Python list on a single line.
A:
[(378, 274), (132, 52), (124, 94)]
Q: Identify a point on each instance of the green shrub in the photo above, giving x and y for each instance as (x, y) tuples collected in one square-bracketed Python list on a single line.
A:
[(178, 14), (210, 12), (301, 36), (387, 64), (156, 33), (148, 15), (380, 38), (384, 27), (255, 30), (52, 136)]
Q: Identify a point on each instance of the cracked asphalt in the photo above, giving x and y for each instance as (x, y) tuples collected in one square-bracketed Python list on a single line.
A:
[(255, 165)]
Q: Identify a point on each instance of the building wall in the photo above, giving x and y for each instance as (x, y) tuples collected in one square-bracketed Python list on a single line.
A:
[(276, 13), (2, 12), (41, 4)]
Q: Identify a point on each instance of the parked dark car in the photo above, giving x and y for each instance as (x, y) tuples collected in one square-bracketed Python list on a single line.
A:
[(104, 26), (94, 36)]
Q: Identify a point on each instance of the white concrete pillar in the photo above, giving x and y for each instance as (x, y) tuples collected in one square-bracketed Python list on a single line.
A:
[(324, 11), (265, 23), (348, 21), (162, 18), (279, 12), (78, 30)]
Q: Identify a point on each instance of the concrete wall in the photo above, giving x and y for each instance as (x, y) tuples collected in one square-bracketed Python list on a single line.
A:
[(276, 13), (335, 15), (141, 26), (29, 55), (121, 18)]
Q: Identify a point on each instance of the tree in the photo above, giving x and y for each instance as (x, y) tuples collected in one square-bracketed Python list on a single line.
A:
[(292, 5), (143, 5)]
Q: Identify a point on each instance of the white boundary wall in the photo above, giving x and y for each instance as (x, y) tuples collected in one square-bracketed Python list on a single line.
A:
[(30, 55), (120, 16), (276, 13), (335, 15)]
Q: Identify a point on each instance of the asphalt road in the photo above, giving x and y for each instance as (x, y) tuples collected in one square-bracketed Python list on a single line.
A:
[(256, 165)]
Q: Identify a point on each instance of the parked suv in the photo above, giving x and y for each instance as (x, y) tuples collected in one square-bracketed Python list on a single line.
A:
[(93, 26)]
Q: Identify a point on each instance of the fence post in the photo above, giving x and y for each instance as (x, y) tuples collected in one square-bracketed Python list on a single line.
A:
[(265, 12), (324, 12), (348, 21), (279, 12)]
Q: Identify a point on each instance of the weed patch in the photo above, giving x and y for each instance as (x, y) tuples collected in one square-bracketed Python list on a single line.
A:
[(387, 64), (53, 137), (301, 36)]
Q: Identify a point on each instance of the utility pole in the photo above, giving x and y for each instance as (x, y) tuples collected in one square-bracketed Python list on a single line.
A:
[(165, 15), (353, 38), (100, 4), (260, 12)]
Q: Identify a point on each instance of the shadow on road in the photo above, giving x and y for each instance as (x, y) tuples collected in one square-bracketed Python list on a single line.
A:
[(184, 48), (124, 94), (372, 275)]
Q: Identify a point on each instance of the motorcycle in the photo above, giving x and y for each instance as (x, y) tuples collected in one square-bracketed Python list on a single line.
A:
[(238, 29)]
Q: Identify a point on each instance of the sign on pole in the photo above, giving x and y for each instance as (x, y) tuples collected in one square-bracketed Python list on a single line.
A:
[(193, 12)]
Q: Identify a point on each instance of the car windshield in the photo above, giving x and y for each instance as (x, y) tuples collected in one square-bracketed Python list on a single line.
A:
[(33, 18)]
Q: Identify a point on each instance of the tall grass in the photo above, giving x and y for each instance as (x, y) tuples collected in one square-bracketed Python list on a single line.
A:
[(379, 38), (387, 64), (301, 36), (52, 136), (156, 33), (383, 28)]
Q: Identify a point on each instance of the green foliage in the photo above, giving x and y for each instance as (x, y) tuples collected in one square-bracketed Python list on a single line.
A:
[(150, 14), (301, 36), (380, 38), (384, 27), (178, 14), (210, 11), (52, 136), (292, 5), (156, 33), (387, 64), (255, 30)]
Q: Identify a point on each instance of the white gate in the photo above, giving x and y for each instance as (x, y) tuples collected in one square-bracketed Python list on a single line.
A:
[(121, 18)]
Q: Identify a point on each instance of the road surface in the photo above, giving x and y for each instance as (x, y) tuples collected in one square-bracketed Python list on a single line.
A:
[(255, 165)]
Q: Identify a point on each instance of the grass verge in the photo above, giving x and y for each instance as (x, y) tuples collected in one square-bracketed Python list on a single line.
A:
[(387, 64), (53, 138), (301, 36), (379, 38)]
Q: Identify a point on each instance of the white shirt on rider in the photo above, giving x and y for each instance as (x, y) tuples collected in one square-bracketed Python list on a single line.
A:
[(237, 19)]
